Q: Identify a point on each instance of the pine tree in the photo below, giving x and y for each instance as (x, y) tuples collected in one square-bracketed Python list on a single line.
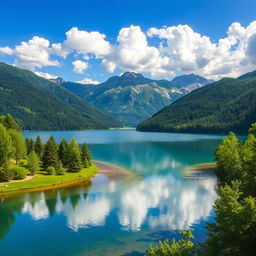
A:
[(64, 152), (74, 160), (33, 162), (50, 156), (30, 144), (19, 145), (39, 147), (86, 156), (229, 165), (6, 147), (9, 123)]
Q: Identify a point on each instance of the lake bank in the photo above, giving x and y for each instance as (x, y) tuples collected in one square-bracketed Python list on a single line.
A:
[(46, 182), (199, 170)]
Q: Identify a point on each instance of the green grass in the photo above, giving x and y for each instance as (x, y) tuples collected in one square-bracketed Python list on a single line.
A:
[(42, 180)]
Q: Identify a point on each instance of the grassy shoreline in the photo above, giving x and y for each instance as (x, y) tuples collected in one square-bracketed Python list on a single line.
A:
[(44, 182)]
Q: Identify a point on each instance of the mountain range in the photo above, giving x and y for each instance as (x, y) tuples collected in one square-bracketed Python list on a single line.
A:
[(131, 98), (220, 107), (39, 104)]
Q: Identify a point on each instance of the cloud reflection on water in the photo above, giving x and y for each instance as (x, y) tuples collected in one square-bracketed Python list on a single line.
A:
[(157, 201)]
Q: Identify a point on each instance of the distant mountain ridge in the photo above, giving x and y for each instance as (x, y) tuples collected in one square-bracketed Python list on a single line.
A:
[(39, 104), (131, 97), (219, 107)]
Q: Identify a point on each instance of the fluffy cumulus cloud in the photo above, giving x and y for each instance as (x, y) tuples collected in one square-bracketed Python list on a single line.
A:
[(46, 75), (34, 54), (87, 80), (6, 50), (162, 52), (133, 53), (83, 42), (79, 66)]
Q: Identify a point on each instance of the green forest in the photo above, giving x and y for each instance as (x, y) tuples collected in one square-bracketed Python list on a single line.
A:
[(233, 232), (21, 157), (217, 108), (39, 104)]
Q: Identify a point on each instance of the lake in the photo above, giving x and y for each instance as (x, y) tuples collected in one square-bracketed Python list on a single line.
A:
[(115, 216)]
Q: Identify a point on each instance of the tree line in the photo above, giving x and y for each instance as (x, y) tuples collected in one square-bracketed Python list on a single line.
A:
[(233, 232), (19, 156)]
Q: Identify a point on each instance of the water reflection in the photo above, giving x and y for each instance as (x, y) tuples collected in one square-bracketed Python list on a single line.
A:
[(110, 214), (156, 201)]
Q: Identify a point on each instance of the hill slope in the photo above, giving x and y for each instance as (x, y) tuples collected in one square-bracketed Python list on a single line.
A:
[(131, 97), (39, 104), (220, 107)]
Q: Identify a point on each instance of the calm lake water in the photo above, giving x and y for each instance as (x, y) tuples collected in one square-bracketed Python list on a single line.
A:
[(115, 216)]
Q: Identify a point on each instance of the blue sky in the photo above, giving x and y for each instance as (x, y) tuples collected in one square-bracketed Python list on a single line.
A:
[(159, 52)]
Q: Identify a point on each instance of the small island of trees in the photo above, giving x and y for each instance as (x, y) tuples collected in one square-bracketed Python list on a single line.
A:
[(21, 157)]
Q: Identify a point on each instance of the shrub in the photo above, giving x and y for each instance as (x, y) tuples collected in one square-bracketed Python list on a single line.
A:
[(50, 170), (60, 171), (19, 173), (5, 174), (23, 162)]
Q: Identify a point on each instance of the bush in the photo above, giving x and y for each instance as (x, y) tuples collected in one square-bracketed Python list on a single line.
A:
[(60, 171), (5, 174), (19, 173), (23, 162), (50, 170)]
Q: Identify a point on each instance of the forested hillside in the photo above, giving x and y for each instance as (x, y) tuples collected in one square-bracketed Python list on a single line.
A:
[(39, 104), (220, 107)]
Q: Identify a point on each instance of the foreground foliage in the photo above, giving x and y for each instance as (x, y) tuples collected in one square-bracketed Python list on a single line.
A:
[(182, 247)]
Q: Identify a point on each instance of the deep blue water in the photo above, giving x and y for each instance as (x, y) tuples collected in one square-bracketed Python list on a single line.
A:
[(115, 216)]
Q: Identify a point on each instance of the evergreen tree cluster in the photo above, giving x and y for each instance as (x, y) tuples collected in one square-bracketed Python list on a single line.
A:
[(50, 157), (69, 156)]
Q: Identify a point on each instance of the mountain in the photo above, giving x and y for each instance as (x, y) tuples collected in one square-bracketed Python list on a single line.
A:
[(131, 97), (58, 80), (248, 75), (187, 80), (39, 104), (220, 107)]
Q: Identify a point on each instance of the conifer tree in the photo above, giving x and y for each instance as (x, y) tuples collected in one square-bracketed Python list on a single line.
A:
[(33, 162), (19, 145), (86, 156), (64, 152), (50, 156), (39, 147), (9, 123), (30, 144), (6, 147), (229, 166), (74, 159)]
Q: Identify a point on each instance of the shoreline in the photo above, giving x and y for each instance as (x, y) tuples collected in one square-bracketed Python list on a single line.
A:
[(199, 170), (100, 167)]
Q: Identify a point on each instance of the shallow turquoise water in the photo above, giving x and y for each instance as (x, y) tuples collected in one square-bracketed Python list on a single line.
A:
[(115, 216)]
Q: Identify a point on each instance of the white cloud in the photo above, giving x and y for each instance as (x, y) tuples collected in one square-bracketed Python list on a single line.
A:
[(46, 75), (88, 81), (84, 42), (133, 53), (34, 53), (6, 50), (79, 66), (176, 49)]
